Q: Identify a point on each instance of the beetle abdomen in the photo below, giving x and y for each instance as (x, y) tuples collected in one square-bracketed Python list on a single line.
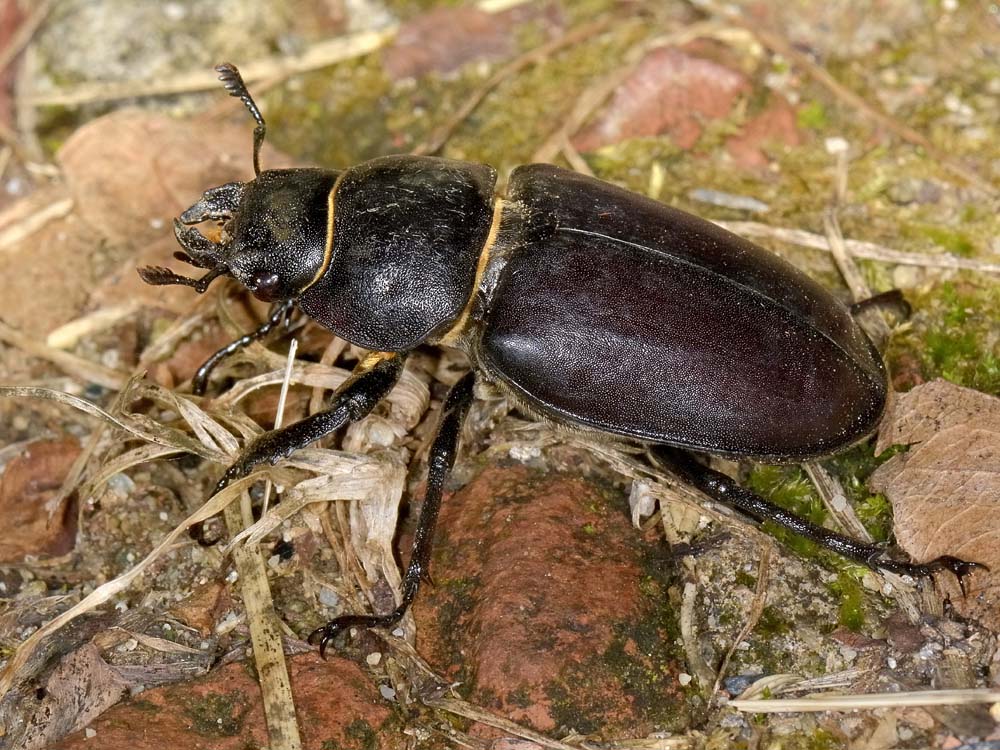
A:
[(406, 239), (624, 315)]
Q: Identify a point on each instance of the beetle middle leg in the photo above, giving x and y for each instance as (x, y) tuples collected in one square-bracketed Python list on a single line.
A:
[(199, 383), (725, 490), (440, 460)]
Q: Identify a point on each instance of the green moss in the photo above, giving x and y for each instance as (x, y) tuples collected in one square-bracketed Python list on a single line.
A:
[(789, 487), (520, 697), (952, 241), (813, 116), (217, 714), (954, 334), (772, 624), (851, 612), (362, 735), (743, 578)]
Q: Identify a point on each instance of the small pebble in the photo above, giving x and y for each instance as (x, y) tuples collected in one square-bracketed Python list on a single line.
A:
[(836, 145), (739, 683), (373, 658), (684, 679), (387, 692), (89, 733)]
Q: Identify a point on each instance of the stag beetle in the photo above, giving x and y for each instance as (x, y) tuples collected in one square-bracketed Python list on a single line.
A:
[(588, 305)]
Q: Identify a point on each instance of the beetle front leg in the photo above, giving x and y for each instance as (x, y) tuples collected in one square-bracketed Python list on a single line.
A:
[(371, 381), (727, 491), (440, 460), (199, 383)]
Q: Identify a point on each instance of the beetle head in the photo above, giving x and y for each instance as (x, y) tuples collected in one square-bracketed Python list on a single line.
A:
[(273, 228)]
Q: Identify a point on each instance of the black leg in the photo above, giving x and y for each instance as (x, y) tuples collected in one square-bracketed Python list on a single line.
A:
[(440, 461), (199, 382), (727, 491), (891, 300), (372, 380)]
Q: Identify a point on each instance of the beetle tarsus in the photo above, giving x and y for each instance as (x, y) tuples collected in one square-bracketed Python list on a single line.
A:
[(959, 568), (439, 463), (725, 490)]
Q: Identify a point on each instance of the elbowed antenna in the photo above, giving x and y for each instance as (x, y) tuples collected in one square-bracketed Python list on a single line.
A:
[(233, 81)]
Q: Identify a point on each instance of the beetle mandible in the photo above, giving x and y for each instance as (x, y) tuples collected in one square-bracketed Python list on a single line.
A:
[(588, 305)]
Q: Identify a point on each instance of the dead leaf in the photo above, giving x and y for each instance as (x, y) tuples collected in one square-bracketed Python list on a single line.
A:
[(919, 414), (27, 483), (80, 689), (202, 607), (945, 491)]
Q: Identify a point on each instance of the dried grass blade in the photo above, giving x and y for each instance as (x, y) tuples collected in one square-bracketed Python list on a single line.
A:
[(876, 700), (105, 591), (77, 367), (279, 707)]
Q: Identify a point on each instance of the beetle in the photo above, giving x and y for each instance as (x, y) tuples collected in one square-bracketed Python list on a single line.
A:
[(588, 305)]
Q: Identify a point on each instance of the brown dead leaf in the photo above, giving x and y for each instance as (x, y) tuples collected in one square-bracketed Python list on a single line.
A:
[(916, 416), (131, 172), (202, 607), (27, 483), (945, 491), (80, 689)]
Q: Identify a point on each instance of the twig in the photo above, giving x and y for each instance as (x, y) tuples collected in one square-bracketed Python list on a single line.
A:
[(858, 248), (265, 635), (279, 416), (576, 35), (10, 139), (69, 334), (470, 711), (835, 501), (689, 635), (753, 616), (27, 30), (319, 55), (878, 329), (27, 226), (777, 43), (82, 369)]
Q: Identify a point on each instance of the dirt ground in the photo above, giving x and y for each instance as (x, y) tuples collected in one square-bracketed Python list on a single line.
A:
[(579, 596)]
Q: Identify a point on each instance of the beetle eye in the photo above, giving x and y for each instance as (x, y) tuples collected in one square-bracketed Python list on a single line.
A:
[(264, 286)]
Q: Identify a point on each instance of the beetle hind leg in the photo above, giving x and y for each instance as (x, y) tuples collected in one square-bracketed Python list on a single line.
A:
[(727, 491), (892, 300), (440, 460)]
